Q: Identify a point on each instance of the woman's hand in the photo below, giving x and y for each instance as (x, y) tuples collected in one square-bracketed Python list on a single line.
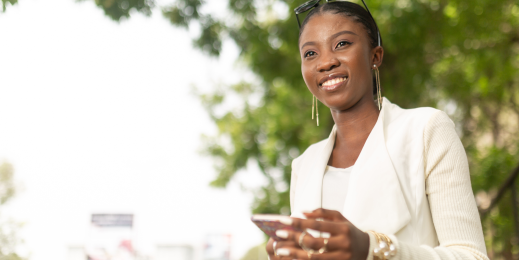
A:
[(346, 242), (279, 244), (270, 249)]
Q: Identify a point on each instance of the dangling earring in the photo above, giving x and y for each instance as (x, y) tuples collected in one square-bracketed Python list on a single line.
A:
[(379, 93), (314, 104)]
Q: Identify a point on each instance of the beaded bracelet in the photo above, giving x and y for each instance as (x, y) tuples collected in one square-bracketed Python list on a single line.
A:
[(384, 249)]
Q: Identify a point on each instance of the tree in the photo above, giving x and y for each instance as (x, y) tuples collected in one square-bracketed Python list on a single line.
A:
[(459, 56), (8, 229), (456, 55)]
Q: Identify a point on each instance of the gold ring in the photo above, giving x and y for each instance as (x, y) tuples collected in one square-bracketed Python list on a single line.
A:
[(301, 239), (323, 249), (274, 247), (309, 255), (308, 250)]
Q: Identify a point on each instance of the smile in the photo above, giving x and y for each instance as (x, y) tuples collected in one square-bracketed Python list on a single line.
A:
[(333, 83)]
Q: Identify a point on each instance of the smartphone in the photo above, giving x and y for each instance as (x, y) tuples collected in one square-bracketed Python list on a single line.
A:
[(270, 223)]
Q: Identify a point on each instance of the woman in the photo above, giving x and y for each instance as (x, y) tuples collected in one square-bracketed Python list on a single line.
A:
[(388, 183)]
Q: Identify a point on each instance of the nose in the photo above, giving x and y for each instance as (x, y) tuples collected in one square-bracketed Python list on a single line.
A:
[(328, 62)]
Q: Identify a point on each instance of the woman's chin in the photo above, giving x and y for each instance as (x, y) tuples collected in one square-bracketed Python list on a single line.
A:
[(341, 102)]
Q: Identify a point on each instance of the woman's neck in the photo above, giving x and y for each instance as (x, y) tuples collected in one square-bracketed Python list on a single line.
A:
[(353, 128)]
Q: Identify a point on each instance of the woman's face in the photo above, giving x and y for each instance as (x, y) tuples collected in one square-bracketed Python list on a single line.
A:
[(337, 60)]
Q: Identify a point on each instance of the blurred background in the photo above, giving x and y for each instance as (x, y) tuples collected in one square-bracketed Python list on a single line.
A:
[(153, 129)]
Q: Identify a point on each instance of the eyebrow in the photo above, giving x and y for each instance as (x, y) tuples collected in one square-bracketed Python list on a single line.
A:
[(331, 37)]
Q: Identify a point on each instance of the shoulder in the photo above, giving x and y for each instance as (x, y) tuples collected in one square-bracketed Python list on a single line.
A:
[(440, 129), (430, 120), (417, 122), (421, 115)]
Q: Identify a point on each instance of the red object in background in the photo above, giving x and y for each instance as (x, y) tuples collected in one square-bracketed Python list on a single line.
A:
[(127, 244)]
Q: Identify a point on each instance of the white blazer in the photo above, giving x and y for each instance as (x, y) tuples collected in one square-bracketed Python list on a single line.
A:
[(386, 190)]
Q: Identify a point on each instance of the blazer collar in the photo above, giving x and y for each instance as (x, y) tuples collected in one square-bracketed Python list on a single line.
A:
[(374, 188)]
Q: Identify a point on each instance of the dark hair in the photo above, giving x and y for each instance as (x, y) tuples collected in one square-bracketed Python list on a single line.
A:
[(351, 10)]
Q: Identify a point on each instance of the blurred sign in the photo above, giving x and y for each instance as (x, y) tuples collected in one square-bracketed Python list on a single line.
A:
[(112, 220), (111, 237)]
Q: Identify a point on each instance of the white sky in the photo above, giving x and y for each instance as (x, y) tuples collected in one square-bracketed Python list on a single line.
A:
[(99, 117)]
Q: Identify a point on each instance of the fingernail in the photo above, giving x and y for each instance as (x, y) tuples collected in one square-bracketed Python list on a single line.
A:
[(286, 221), (282, 233), (283, 252)]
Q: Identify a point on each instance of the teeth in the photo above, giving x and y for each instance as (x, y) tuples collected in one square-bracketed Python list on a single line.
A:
[(333, 81)]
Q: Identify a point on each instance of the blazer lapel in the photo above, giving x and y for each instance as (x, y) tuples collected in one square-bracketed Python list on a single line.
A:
[(375, 200), (309, 197)]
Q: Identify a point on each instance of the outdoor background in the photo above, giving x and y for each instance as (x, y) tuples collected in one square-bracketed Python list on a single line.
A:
[(188, 113)]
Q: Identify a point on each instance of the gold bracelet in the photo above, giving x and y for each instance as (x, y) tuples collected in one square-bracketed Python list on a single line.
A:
[(384, 249)]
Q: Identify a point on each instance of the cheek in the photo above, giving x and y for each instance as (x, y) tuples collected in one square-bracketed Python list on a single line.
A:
[(308, 76), (358, 66)]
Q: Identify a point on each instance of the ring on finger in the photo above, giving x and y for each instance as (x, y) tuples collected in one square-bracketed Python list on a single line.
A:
[(308, 250), (301, 237), (323, 249), (274, 247), (311, 251)]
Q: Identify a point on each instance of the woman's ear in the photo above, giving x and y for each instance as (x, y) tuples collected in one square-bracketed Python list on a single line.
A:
[(377, 55)]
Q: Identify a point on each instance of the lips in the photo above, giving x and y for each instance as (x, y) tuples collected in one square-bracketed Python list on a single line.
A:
[(330, 82)]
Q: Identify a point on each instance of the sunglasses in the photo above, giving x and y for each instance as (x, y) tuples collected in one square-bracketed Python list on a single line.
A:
[(309, 5)]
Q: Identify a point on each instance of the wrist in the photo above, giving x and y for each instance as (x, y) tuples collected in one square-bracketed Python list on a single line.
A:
[(363, 247), (383, 248), (372, 245)]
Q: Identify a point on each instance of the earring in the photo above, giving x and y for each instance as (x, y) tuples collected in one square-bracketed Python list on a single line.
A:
[(379, 93), (316, 106)]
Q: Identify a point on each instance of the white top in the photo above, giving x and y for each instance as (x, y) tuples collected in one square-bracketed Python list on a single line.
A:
[(335, 183)]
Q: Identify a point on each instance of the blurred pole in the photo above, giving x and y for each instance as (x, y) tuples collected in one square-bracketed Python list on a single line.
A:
[(502, 190), (513, 187)]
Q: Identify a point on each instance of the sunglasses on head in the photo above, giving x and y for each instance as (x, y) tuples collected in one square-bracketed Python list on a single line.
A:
[(309, 5)]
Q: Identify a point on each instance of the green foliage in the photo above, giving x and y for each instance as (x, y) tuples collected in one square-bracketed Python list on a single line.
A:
[(457, 55), (5, 2), (182, 13), (8, 229), (492, 169), (7, 187), (461, 56), (118, 9), (9, 241)]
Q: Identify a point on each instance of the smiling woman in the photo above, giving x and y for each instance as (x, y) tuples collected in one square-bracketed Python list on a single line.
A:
[(388, 183)]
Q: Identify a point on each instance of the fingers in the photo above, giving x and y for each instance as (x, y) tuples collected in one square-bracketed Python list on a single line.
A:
[(331, 215), (285, 250), (273, 245), (291, 235), (282, 244), (269, 247), (331, 255), (292, 253), (333, 228), (334, 243)]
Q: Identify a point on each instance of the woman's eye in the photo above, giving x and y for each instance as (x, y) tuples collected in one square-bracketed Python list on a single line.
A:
[(309, 53), (342, 43)]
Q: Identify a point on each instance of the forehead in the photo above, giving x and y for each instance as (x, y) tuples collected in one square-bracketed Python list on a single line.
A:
[(321, 26)]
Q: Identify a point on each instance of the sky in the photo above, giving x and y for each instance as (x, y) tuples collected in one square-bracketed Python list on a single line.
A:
[(100, 117)]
